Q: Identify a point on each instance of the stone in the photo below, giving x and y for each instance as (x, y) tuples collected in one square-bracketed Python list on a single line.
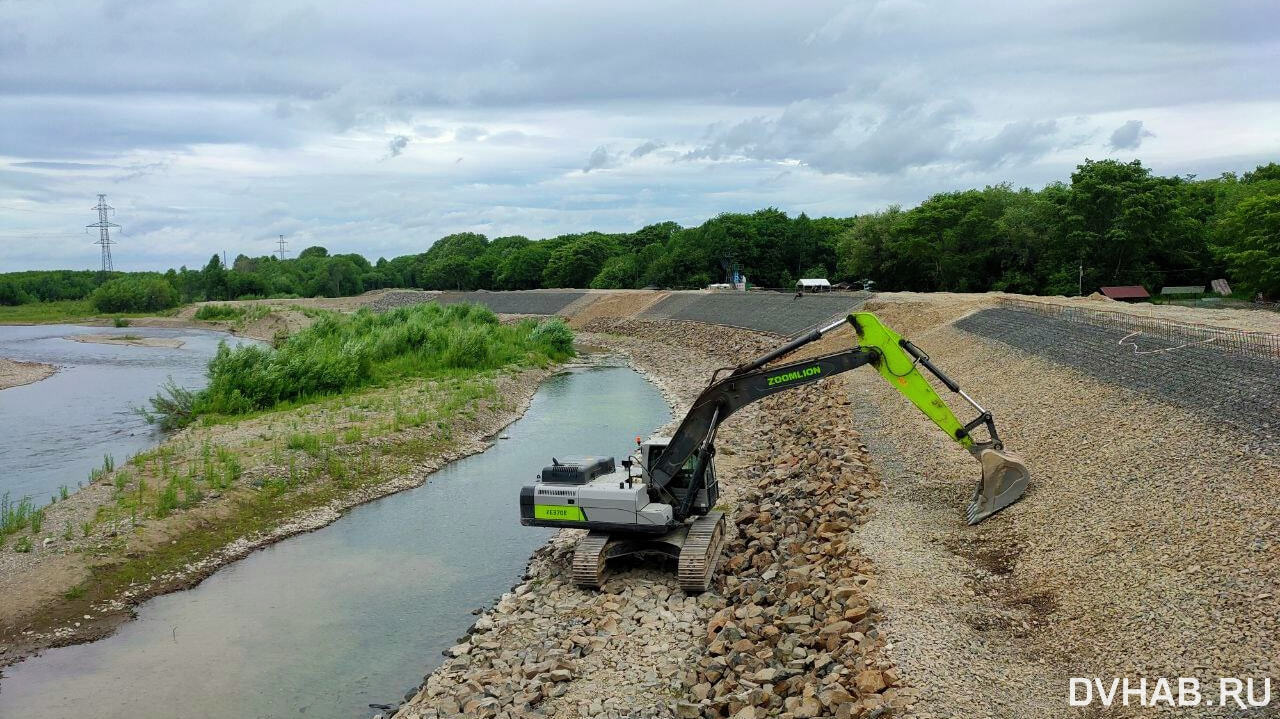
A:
[(688, 710), (870, 681)]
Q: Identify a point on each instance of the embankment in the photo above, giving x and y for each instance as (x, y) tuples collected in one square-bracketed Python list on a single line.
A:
[(1145, 546)]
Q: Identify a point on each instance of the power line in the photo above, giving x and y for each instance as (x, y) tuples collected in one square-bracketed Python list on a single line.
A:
[(104, 231)]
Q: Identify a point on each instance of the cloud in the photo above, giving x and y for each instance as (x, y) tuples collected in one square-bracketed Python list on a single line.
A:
[(1129, 136), (824, 108), (1018, 142), (646, 148), (907, 132), (600, 159), (395, 146)]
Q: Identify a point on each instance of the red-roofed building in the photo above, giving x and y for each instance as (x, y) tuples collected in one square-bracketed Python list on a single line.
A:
[(1126, 293)]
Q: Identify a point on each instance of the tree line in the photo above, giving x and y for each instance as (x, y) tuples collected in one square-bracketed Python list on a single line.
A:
[(1113, 223)]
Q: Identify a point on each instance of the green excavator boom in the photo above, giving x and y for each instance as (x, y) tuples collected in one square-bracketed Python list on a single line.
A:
[(1004, 474)]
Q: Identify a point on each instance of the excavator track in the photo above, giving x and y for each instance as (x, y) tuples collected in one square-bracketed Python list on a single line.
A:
[(589, 560), (701, 553)]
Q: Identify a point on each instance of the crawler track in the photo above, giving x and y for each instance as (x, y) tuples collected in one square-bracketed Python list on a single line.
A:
[(701, 553)]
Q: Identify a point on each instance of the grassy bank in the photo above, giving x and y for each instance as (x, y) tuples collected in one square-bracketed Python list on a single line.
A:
[(254, 462), (343, 352), (64, 311)]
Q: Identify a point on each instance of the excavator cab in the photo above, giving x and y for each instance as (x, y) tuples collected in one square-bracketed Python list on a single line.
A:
[(707, 491)]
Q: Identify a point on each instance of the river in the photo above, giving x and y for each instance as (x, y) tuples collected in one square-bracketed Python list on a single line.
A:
[(57, 429), (325, 624)]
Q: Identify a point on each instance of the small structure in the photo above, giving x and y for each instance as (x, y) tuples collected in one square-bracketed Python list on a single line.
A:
[(720, 286), (1186, 290), (813, 285), (1221, 287), (1126, 293)]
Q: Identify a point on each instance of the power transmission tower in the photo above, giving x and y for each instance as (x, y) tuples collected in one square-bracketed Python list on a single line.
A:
[(104, 231), (282, 250)]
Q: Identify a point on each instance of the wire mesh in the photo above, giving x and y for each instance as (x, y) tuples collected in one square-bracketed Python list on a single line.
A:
[(1244, 343)]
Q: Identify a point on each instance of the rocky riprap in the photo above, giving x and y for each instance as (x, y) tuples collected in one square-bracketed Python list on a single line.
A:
[(786, 630)]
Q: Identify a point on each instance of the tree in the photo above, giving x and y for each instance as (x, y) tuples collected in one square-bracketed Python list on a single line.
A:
[(1249, 242), (577, 262), (522, 268), (618, 272), (134, 294), (213, 278)]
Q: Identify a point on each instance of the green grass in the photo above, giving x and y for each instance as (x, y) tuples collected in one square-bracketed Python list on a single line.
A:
[(340, 353), (14, 516), (219, 312), (42, 312), (65, 311)]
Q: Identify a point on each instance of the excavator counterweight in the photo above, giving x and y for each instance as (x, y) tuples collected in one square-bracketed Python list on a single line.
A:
[(668, 507)]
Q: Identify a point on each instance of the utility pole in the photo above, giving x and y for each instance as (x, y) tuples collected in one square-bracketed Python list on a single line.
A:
[(104, 232), (281, 251), (1080, 281)]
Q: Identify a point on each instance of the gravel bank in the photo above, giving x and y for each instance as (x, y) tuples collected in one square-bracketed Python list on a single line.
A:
[(777, 312), (16, 372), (1144, 547), (1229, 388), (785, 629), (529, 302)]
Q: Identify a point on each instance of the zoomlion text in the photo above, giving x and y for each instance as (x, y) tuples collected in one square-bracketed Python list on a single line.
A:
[(795, 375)]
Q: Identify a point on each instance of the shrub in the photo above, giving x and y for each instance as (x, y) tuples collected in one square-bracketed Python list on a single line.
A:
[(555, 335), (134, 294), (219, 312), (341, 352), (11, 293)]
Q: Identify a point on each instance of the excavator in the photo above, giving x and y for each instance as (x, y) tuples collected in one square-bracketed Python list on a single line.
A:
[(667, 505)]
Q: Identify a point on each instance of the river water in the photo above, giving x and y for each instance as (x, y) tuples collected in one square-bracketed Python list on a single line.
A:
[(326, 623), (54, 431)]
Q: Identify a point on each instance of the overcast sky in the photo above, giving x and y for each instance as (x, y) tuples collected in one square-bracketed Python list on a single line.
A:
[(380, 127)]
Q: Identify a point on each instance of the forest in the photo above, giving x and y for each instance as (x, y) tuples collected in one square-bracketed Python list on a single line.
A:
[(1112, 223)]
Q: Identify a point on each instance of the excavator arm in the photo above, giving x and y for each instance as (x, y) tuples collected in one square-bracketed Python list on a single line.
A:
[(1004, 476)]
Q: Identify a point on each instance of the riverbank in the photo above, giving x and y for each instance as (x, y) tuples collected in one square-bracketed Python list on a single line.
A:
[(238, 486), (15, 373)]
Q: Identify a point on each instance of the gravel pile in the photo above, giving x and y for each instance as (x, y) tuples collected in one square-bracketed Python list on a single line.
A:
[(1228, 388), (532, 302), (774, 312), (392, 299), (1145, 547), (797, 637)]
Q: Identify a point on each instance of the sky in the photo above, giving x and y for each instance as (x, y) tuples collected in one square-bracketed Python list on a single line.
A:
[(379, 127)]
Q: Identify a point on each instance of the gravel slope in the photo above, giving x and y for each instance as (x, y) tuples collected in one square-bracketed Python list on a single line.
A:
[(1146, 545)]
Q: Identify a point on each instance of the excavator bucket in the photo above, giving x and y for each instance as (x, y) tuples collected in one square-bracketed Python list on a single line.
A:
[(1004, 479)]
